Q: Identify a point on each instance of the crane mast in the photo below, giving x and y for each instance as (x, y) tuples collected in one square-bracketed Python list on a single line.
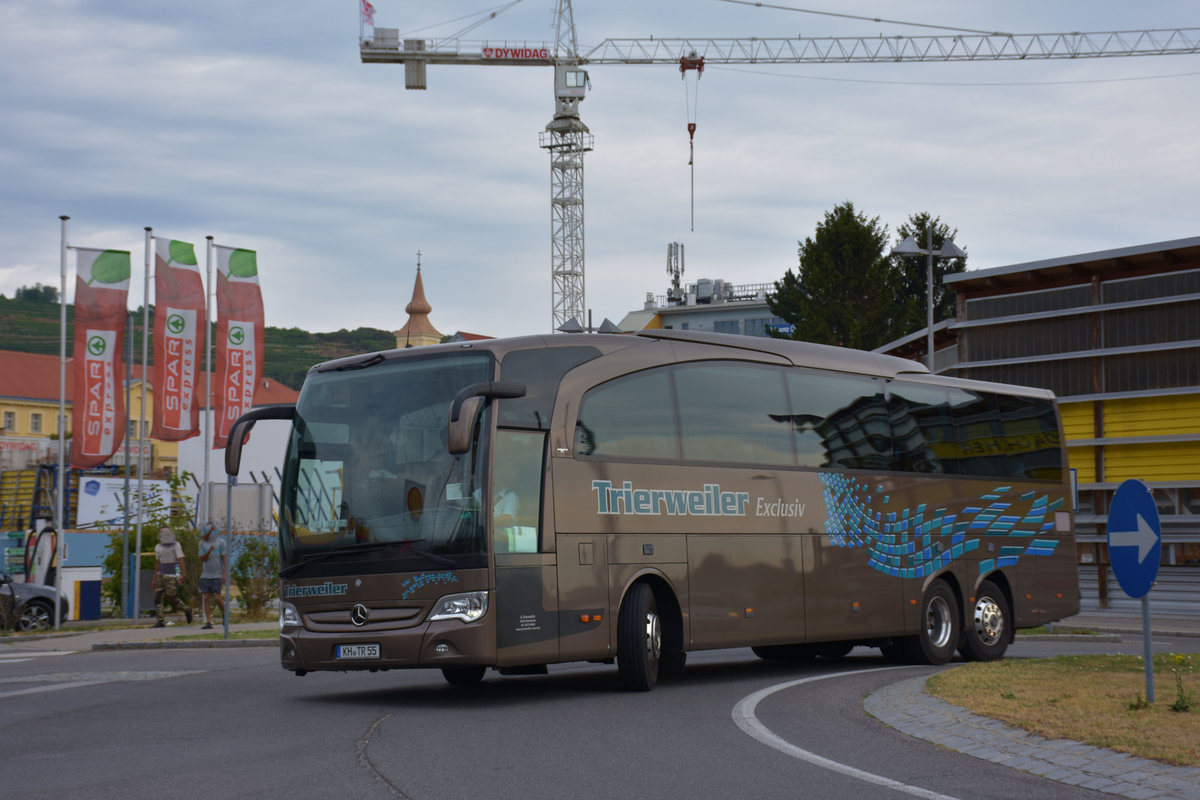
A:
[(566, 138)]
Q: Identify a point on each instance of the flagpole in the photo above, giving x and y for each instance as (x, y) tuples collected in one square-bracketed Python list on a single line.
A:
[(141, 502), (125, 517), (59, 491), (208, 428)]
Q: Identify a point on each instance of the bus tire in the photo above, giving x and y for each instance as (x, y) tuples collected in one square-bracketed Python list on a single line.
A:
[(639, 639), (832, 651), (938, 637), (986, 629), (463, 676)]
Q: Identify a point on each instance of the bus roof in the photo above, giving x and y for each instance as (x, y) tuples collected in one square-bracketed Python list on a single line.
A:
[(806, 354), (801, 354)]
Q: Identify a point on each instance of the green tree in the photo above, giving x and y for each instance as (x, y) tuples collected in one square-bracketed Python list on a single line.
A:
[(37, 294), (910, 289), (841, 292)]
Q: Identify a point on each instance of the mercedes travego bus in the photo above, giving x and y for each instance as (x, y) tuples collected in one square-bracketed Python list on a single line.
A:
[(513, 503)]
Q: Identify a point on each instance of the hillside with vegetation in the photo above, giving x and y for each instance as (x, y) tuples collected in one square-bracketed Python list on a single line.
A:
[(32, 326)]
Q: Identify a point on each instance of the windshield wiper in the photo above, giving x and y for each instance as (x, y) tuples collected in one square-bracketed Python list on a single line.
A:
[(365, 547)]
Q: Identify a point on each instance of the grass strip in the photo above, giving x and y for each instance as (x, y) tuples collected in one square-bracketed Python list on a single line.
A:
[(1099, 700)]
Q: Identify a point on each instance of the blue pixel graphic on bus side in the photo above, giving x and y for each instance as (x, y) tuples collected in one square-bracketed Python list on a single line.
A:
[(915, 542)]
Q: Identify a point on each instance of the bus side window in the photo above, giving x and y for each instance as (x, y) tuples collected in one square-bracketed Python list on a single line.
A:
[(629, 417), (733, 413), (517, 490), (839, 420), (922, 434)]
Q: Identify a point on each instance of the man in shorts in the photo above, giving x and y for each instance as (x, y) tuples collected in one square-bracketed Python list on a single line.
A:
[(214, 562), (169, 574)]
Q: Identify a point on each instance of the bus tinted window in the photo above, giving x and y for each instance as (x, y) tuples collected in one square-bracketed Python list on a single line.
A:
[(978, 435), (959, 432), (1031, 437), (922, 432), (630, 417), (839, 420), (733, 412), (541, 370)]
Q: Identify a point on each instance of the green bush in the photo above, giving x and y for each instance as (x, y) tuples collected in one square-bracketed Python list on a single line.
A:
[(256, 575)]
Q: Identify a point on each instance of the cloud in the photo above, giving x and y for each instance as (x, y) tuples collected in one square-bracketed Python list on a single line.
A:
[(257, 124)]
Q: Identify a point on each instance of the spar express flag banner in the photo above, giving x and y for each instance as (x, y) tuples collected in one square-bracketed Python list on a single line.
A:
[(178, 340), (98, 410), (239, 338)]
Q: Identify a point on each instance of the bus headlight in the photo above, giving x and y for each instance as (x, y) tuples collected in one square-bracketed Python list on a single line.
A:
[(468, 607), (289, 617)]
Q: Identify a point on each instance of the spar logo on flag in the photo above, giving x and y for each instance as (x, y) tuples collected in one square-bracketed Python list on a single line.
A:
[(180, 362), (98, 406), (179, 307), (98, 420), (239, 337), (241, 374)]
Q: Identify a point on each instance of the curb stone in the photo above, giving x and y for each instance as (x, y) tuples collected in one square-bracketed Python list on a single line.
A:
[(908, 708)]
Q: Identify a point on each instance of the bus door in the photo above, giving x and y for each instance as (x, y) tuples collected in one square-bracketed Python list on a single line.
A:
[(583, 568), (526, 599)]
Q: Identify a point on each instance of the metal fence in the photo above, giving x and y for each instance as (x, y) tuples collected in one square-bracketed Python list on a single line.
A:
[(1176, 591)]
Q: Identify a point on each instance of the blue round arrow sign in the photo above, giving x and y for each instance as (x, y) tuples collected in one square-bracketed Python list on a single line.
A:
[(1134, 537)]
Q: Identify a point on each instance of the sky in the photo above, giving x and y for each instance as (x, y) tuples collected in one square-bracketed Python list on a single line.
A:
[(257, 124)]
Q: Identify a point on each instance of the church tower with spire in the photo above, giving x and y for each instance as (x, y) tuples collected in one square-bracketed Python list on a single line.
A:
[(418, 331)]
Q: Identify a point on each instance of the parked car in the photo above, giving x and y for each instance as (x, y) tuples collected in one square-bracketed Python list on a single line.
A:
[(29, 606)]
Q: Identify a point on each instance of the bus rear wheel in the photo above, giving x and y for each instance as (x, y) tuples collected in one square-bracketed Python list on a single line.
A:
[(986, 630), (938, 637), (639, 639)]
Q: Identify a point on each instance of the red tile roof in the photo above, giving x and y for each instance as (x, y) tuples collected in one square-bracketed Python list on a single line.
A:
[(28, 376)]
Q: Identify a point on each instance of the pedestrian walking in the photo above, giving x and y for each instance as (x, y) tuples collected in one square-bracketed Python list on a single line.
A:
[(169, 573), (215, 563)]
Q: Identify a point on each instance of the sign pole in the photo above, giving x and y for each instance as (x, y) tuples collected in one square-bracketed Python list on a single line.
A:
[(1147, 652)]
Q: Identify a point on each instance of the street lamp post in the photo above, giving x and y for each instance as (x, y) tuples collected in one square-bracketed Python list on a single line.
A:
[(949, 249)]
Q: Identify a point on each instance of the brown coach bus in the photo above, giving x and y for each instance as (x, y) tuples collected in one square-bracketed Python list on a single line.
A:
[(513, 503)]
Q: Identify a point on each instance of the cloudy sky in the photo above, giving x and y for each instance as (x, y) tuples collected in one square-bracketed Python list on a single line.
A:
[(257, 123)]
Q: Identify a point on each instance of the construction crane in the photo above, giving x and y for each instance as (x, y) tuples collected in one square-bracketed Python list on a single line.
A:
[(567, 138)]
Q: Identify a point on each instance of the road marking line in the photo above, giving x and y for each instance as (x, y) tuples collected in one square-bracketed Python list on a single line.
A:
[(34, 653), (53, 687), (743, 716)]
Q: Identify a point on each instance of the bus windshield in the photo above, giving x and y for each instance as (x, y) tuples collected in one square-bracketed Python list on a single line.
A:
[(368, 477)]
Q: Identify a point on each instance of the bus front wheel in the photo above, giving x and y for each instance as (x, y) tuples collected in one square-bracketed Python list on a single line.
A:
[(463, 676), (986, 629), (639, 639), (938, 637)]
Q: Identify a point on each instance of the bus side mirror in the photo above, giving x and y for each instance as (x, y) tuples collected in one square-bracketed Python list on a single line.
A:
[(460, 429), (466, 406), (241, 429)]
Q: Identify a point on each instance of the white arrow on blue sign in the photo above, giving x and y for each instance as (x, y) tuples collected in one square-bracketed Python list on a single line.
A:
[(1134, 538)]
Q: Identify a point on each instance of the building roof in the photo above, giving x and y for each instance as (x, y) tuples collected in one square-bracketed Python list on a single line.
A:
[(30, 376), (465, 336), (1123, 261)]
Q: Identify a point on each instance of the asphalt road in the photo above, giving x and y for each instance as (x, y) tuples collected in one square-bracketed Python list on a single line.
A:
[(230, 723)]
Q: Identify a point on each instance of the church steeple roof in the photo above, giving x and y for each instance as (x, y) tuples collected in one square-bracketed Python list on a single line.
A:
[(418, 330)]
